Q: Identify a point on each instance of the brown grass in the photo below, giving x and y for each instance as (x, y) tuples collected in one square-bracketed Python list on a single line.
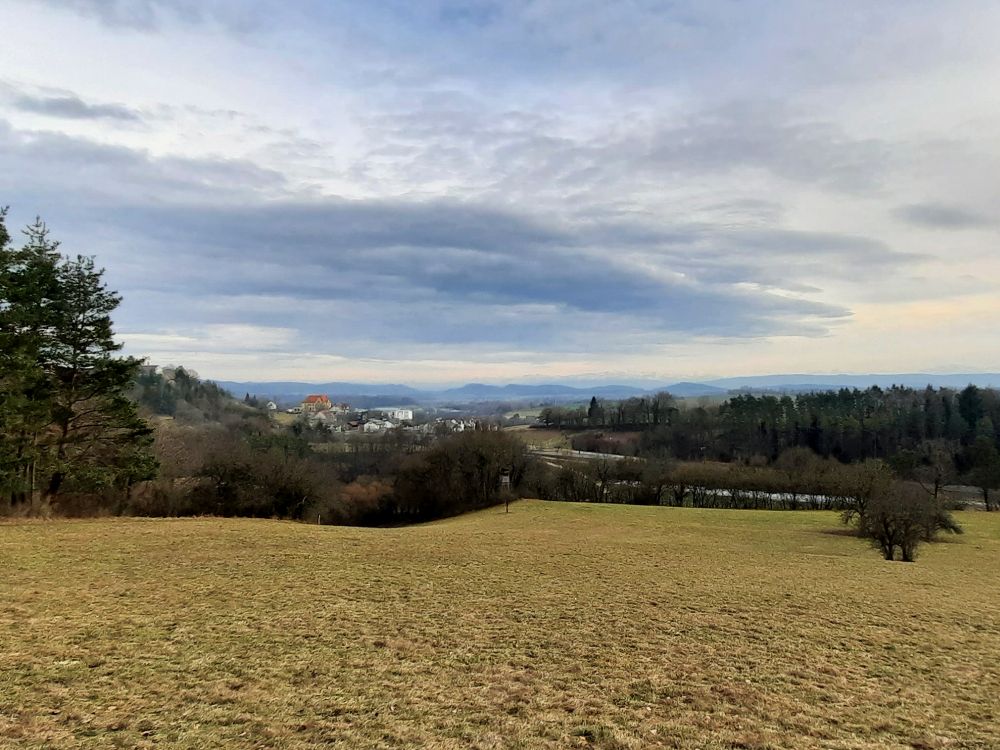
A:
[(542, 437), (554, 626)]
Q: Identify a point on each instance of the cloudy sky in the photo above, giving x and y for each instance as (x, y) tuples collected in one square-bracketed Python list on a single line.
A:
[(520, 190)]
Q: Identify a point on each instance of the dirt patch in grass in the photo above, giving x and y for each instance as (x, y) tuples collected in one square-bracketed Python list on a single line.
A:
[(554, 626)]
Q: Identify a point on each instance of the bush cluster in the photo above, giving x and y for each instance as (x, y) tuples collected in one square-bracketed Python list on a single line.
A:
[(237, 470)]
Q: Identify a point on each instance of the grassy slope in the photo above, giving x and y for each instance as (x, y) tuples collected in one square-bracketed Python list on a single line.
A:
[(541, 438), (555, 626)]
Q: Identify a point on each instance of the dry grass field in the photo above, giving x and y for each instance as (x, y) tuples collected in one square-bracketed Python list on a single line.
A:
[(555, 626), (542, 438)]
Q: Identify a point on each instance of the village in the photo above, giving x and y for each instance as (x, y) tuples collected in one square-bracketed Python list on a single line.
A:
[(319, 412)]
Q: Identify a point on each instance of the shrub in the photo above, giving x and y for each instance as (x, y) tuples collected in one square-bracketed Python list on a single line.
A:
[(902, 517), (362, 502)]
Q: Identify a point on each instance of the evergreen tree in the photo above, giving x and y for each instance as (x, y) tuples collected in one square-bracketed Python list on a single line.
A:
[(970, 406), (67, 422), (28, 288), (593, 412)]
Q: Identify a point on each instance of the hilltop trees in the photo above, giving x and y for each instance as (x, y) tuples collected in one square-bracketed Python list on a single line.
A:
[(637, 412), (182, 395), (66, 423)]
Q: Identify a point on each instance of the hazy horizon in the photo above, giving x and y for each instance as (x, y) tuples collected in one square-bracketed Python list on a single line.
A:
[(535, 190), (734, 381)]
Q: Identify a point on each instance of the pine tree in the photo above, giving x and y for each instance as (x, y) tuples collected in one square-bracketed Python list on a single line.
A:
[(594, 412), (67, 422), (28, 287)]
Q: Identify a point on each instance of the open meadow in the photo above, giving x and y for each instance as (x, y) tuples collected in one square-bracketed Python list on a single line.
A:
[(553, 626)]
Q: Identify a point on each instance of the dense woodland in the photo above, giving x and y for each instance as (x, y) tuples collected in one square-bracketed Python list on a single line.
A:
[(849, 424), (940, 435)]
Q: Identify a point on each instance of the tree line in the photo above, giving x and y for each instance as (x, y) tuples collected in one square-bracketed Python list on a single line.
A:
[(243, 467), (932, 435)]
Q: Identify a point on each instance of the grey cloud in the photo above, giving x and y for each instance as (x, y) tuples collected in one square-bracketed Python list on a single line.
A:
[(640, 43), (321, 230), (942, 216), (436, 271), (54, 164), (773, 257), (74, 108), (148, 15), (137, 14), (518, 154), (437, 252), (792, 253), (763, 134)]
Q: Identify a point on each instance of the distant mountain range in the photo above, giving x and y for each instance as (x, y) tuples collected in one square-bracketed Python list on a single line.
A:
[(384, 394), (291, 388)]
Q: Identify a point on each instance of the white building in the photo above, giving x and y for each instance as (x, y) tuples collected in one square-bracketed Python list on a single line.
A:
[(400, 415), (377, 425), (324, 418)]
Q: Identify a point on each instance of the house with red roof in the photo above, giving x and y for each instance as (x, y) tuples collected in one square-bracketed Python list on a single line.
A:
[(315, 403)]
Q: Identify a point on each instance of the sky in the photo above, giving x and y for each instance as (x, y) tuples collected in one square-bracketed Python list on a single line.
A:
[(442, 191)]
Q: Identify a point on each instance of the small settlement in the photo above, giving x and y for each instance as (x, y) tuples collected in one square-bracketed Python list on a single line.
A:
[(320, 411)]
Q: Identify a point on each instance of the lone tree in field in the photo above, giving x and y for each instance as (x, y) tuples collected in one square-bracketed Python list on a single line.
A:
[(901, 517), (66, 423)]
